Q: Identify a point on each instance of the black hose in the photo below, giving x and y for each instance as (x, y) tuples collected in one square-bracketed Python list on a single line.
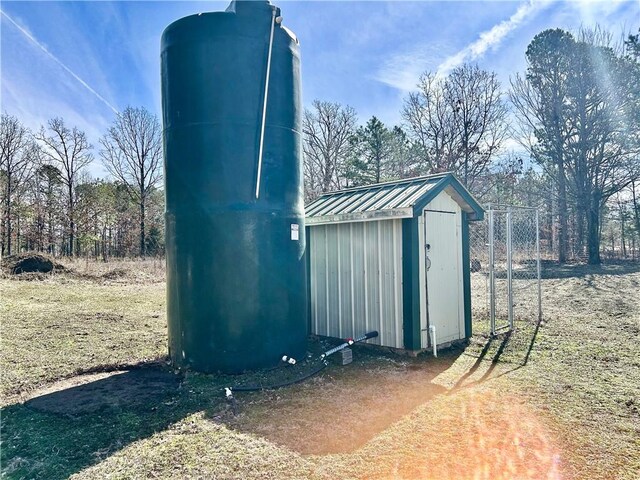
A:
[(348, 343), (323, 365), (256, 388)]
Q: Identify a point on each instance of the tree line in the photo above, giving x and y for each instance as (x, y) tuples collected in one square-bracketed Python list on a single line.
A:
[(51, 204), (573, 117)]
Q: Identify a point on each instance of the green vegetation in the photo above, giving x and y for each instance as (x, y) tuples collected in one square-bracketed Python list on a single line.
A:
[(549, 400)]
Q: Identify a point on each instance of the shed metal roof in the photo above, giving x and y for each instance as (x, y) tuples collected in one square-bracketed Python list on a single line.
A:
[(396, 199)]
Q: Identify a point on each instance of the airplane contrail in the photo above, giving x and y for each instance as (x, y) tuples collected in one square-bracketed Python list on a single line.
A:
[(55, 59), (490, 38)]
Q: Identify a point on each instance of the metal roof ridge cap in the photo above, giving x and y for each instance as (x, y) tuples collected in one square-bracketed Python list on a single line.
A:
[(432, 176)]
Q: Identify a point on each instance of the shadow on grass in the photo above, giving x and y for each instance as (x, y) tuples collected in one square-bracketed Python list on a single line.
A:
[(57, 434), (60, 433), (551, 270), (504, 340)]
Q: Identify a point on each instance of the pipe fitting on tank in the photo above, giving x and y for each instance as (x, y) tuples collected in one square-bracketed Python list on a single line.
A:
[(289, 360)]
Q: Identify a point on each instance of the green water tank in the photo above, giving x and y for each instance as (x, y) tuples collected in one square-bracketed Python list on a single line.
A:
[(235, 241)]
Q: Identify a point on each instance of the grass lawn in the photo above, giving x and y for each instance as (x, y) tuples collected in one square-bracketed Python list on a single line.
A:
[(556, 400)]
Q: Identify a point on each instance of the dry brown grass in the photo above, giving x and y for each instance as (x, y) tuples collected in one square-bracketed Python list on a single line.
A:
[(557, 400), (126, 271), (60, 325)]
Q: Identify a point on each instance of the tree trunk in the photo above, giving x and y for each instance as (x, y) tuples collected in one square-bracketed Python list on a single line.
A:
[(142, 236), (8, 215), (636, 212), (72, 239), (104, 244), (593, 229), (562, 212), (580, 221), (71, 222), (551, 225), (9, 232), (622, 233), (50, 246), (18, 233)]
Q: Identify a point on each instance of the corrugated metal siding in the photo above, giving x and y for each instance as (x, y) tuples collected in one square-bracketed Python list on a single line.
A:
[(356, 280), (333, 287)]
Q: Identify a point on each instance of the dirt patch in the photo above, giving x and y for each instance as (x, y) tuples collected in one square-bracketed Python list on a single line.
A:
[(91, 393), (30, 263), (361, 399), (463, 435)]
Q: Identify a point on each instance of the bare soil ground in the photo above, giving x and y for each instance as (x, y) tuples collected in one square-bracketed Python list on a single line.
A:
[(558, 399)]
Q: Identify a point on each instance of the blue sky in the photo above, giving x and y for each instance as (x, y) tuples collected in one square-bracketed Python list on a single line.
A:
[(83, 60)]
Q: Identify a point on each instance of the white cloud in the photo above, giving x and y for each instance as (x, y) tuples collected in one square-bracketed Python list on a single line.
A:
[(42, 47), (402, 71), (493, 37)]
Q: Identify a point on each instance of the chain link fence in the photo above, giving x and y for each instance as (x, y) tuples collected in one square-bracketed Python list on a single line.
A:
[(505, 267)]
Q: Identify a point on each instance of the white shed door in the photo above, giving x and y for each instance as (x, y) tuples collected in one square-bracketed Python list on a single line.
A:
[(444, 275)]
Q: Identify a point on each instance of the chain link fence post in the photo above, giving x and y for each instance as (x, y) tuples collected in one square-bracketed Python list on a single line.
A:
[(492, 276), (509, 269), (538, 266)]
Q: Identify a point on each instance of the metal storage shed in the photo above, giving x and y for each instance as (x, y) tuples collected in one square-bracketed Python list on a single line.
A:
[(392, 257)]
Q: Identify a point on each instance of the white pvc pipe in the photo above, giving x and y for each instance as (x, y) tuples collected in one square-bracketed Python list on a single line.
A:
[(264, 105), (434, 341)]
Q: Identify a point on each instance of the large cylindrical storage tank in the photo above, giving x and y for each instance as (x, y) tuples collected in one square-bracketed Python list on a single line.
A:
[(236, 294)]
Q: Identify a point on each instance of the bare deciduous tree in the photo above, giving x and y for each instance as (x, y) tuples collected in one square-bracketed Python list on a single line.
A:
[(459, 121), (328, 128), (132, 153), (68, 149), (18, 154)]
